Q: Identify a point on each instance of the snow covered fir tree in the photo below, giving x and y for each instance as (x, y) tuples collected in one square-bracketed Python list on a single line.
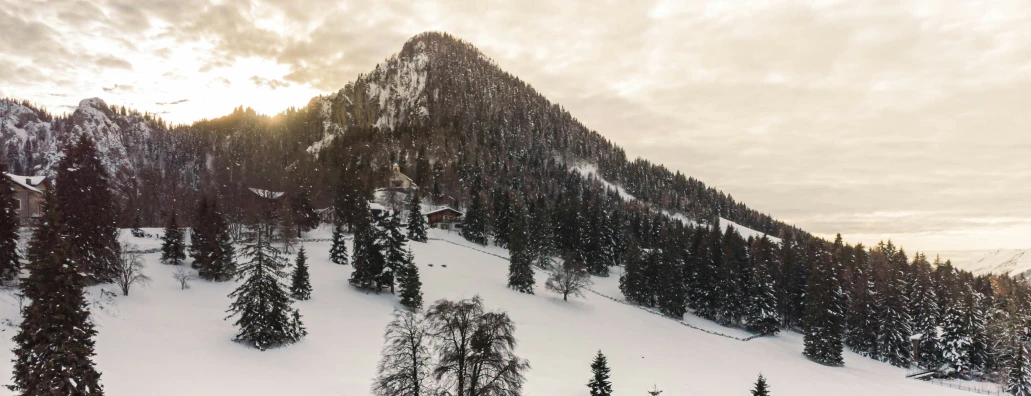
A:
[(599, 383), (211, 244), (10, 264), (261, 304), (300, 284), (173, 246)]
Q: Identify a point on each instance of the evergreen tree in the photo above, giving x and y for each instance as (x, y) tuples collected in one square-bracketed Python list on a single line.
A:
[(520, 267), (262, 303), (672, 288), (408, 281), (173, 249), (863, 326), (394, 244), (304, 213), (633, 283), (473, 223), (338, 251), (599, 383), (894, 335), (925, 314), (54, 345), (136, 226), (218, 261), (367, 257), (84, 198), (503, 217), (1019, 383), (349, 203), (200, 235), (416, 221), (540, 235), (707, 254), (300, 285), (761, 389), (9, 223), (823, 324), (760, 311)]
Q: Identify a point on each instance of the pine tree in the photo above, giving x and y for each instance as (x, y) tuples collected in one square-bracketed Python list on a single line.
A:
[(894, 335), (634, 283), (305, 216), (473, 223), (367, 257), (349, 204), (540, 235), (173, 250), (338, 251), (672, 288), (136, 226), (760, 311), (409, 283), (416, 220), (54, 345), (504, 214), (823, 323), (300, 285), (861, 334), (703, 290), (84, 198), (599, 383), (200, 235), (520, 267), (9, 223), (1019, 383), (761, 389), (394, 244), (262, 303), (220, 266), (925, 314)]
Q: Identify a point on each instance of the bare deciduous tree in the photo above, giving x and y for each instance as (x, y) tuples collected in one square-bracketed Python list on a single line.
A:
[(568, 278), (404, 369), (129, 268), (184, 276), (475, 349)]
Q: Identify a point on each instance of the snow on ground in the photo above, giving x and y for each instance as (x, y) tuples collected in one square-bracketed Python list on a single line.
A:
[(585, 169), (161, 340), (745, 231)]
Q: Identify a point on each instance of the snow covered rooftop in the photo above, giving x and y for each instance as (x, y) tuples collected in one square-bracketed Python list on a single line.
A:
[(27, 182), (446, 208), (266, 193)]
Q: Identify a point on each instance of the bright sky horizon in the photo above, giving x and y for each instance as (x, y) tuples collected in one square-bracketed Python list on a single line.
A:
[(901, 120)]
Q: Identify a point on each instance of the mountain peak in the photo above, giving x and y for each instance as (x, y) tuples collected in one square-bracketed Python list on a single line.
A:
[(95, 103)]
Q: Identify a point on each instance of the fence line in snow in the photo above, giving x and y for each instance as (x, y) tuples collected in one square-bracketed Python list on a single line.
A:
[(998, 391), (646, 309)]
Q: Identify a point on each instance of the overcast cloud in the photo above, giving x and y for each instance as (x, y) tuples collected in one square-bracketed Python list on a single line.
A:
[(877, 119)]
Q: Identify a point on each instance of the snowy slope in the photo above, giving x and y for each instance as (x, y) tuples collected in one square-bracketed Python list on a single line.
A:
[(1000, 261), (164, 341)]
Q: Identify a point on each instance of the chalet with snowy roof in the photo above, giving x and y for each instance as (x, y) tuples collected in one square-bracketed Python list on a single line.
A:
[(28, 195), (257, 202), (398, 180), (444, 218)]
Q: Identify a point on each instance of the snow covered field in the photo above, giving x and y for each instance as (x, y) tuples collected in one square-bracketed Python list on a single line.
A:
[(165, 341)]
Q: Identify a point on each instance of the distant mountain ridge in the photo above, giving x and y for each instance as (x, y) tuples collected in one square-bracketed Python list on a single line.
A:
[(1000, 262), (440, 108)]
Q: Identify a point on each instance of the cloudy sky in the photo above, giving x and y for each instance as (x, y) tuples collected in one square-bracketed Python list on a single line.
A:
[(876, 119)]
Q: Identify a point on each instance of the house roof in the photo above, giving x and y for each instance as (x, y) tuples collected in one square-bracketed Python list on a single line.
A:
[(266, 193), (27, 182), (443, 209), (397, 172)]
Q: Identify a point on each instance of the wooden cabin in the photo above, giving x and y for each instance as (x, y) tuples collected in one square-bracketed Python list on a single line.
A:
[(256, 203), (444, 218), (28, 196)]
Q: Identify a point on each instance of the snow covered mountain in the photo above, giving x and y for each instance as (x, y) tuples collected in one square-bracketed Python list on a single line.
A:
[(1000, 261), (161, 340)]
